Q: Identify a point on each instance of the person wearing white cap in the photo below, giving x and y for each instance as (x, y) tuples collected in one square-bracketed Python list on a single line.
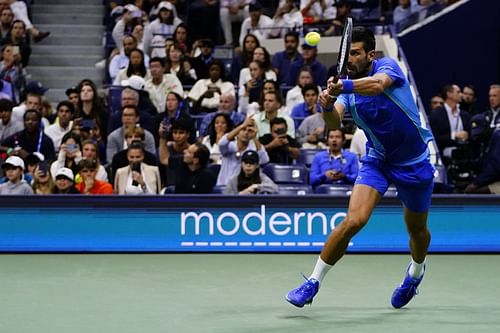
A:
[(65, 182), (13, 168), (164, 25)]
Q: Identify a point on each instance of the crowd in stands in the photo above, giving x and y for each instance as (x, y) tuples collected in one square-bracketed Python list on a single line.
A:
[(179, 119)]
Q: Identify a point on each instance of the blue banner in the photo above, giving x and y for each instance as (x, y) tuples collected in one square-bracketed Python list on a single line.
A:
[(246, 225)]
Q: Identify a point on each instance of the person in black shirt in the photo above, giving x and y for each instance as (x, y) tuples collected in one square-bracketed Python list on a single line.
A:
[(280, 147)]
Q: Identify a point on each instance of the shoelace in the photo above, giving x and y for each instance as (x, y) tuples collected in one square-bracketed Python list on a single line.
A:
[(305, 287)]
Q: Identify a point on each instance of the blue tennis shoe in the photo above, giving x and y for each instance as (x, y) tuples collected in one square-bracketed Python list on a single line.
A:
[(304, 294), (403, 294)]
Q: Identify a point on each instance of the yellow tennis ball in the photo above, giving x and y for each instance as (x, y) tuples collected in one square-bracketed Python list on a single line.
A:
[(312, 38)]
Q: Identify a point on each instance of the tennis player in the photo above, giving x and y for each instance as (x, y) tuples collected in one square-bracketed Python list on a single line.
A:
[(379, 98)]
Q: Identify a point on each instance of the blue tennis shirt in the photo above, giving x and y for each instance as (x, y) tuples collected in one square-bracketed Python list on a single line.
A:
[(390, 120)]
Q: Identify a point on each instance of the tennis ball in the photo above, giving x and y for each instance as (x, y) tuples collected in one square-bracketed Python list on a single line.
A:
[(312, 38)]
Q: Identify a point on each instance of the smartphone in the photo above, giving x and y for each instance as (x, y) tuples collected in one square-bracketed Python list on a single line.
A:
[(71, 147), (15, 50), (43, 167), (135, 167)]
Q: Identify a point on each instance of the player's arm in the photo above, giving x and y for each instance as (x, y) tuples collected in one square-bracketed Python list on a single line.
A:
[(332, 112), (368, 86)]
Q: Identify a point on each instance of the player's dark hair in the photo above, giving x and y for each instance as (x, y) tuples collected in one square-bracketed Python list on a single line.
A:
[(362, 34)]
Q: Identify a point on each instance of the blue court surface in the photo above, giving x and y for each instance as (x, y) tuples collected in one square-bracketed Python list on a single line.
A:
[(241, 293)]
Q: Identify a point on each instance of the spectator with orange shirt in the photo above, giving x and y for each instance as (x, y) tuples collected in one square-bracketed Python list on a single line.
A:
[(89, 184)]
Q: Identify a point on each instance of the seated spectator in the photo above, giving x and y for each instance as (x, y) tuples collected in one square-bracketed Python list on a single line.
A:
[(220, 125), (42, 180), (56, 131), (120, 160), (310, 105), (256, 24), (11, 70), (311, 131), (164, 24), (227, 106), (294, 96), (488, 180), (6, 19), (261, 55), (31, 100), (178, 64), (69, 155), (251, 90), (183, 39), (131, 97), (280, 147), (138, 84), (272, 105), (318, 70), (244, 56), (90, 151), (17, 37), (335, 165), (13, 167), (90, 184), (174, 110), (436, 102), (90, 106), (234, 144), (73, 96), (250, 179), (20, 11), (282, 60), (315, 12), (468, 103), (136, 66), (205, 94), (172, 148), (132, 15), (232, 11), (343, 12), (64, 183), (121, 61), (160, 84), (116, 139), (248, 110), (31, 139), (138, 177), (201, 62), (287, 17), (450, 126), (8, 126)]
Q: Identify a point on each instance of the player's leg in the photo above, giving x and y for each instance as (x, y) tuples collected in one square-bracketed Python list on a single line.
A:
[(362, 202), (420, 236)]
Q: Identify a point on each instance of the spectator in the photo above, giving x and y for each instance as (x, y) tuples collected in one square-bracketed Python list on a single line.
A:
[(335, 165), (33, 94), (64, 183), (261, 55), (493, 113), (232, 150), (250, 179), (21, 13), (138, 177), (315, 11), (6, 19), (258, 105), (280, 147), (56, 131), (31, 139), (131, 97), (232, 11), (121, 61), (90, 151), (201, 62), (294, 96), (145, 105), (17, 37), (116, 140), (160, 84), (177, 64), (132, 15), (436, 102), (8, 126), (282, 60), (69, 154), (174, 110), (183, 39), (251, 90), (164, 24), (450, 126), (244, 56), (287, 18), (220, 125), (468, 103), (309, 106), (11, 69), (90, 184), (73, 96), (13, 168), (120, 160), (318, 70), (42, 181), (205, 94), (272, 104), (171, 149), (138, 33), (136, 66), (227, 106), (343, 12), (90, 106), (310, 133), (257, 24)]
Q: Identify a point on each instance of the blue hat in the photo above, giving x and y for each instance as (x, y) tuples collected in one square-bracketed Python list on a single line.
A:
[(35, 87)]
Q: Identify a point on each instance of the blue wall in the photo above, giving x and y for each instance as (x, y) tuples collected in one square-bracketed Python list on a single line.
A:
[(460, 47), (228, 224)]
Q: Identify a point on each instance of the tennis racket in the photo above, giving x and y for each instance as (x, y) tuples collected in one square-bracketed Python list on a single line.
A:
[(345, 47)]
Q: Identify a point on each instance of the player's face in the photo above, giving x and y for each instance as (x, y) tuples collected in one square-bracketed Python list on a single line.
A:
[(360, 61)]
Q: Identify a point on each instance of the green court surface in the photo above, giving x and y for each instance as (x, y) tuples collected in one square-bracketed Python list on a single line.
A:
[(241, 293)]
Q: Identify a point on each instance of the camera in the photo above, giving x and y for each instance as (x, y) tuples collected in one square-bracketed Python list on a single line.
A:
[(43, 167), (281, 131), (71, 147)]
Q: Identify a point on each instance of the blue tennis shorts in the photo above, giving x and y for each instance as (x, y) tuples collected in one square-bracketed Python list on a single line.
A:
[(413, 182)]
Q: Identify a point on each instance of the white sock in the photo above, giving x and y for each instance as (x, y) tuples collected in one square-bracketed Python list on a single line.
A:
[(416, 270), (320, 270)]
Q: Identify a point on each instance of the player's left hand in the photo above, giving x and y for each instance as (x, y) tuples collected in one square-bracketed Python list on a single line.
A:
[(335, 88)]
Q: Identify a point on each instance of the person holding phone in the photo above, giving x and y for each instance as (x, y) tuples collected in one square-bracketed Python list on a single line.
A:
[(69, 154), (42, 181), (280, 146), (137, 177)]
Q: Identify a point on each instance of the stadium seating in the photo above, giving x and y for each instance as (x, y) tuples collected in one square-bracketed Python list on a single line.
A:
[(307, 156), (295, 189), (334, 189), (286, 174)]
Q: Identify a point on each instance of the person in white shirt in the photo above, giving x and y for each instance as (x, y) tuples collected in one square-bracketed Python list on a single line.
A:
[(8, 126), (272, 104), (232, 11), (294, 96), (287, 17), (206, 92), (121, 60), (63, 125), (261, 55), (161, 84), (164, 25), (257, 23)]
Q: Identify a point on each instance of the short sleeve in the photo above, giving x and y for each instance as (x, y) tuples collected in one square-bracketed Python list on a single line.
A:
[(390, 67)]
